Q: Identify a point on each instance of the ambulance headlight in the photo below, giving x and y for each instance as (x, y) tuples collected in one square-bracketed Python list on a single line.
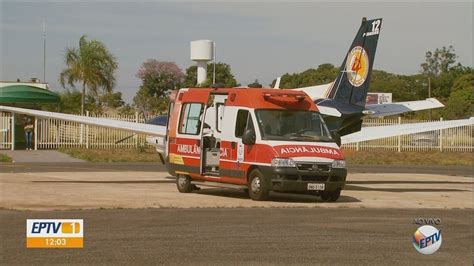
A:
[(283, 162), (338, 164)]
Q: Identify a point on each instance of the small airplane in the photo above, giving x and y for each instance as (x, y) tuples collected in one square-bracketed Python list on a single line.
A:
[(341, 102)]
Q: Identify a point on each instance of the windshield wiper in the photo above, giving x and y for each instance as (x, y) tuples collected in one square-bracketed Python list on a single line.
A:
[(318, 138)]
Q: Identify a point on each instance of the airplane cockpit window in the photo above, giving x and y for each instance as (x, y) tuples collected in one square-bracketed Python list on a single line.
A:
[(160, 120)]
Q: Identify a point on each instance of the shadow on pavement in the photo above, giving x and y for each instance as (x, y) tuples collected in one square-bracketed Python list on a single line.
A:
[(409, 182), (274, 196), (110, 182), (359, 188)]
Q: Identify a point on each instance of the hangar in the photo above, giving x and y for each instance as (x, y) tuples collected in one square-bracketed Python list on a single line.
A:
[(26, 92), (21, 94)]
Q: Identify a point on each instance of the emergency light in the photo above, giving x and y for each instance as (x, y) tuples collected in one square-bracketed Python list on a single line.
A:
[(283, 96)]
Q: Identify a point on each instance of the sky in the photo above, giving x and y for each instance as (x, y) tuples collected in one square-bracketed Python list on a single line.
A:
[(260, 40)]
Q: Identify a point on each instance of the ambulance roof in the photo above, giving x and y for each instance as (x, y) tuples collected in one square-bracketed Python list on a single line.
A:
[(256, 98)]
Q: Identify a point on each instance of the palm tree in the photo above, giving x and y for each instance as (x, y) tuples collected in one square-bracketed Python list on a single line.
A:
[(92, 65)]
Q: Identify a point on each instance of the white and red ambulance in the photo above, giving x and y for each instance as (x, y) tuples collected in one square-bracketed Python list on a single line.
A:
[(259, 140)]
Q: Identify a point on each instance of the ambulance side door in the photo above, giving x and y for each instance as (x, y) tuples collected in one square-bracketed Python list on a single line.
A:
[(243, 122), (233, 152), (187, 145)]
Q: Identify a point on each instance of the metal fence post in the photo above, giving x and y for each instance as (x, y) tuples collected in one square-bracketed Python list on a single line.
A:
[(81, 133), (36, 133), (399, 136), (441, 137), (136, 136), (13, 131), (87, 132), (58, 135)]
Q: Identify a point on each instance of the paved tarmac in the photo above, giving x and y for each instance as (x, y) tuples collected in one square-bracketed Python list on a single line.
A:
[(157, 167), (133, 214), (29, 190), (244, 237)]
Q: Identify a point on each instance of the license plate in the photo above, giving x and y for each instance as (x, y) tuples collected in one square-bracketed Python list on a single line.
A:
[(316, 186)]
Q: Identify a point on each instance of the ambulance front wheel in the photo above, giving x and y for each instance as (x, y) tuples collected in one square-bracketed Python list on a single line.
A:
[(257, 187), (331, 196), (184, 184)]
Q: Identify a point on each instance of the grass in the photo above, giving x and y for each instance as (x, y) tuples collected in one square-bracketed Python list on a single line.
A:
[(114, 155), (372, 157), (5, 159), (383, 157)]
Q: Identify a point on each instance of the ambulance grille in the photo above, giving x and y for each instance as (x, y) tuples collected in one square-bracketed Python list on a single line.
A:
[(313, 167), (291, 177), (314, 178)]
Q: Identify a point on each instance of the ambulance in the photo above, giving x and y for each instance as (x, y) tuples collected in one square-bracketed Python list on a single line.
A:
[(257, 140)]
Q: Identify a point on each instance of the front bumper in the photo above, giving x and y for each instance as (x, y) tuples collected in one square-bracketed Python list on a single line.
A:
[(286, 179)]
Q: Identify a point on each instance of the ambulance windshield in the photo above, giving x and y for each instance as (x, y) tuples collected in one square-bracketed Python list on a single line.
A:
[(292, 125)]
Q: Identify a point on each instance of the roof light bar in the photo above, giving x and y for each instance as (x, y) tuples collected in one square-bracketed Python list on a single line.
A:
[(284, 96)]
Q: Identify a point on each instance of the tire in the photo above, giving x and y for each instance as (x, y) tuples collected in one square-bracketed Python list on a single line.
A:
[(257, 187), (331, 196), (183, 183)]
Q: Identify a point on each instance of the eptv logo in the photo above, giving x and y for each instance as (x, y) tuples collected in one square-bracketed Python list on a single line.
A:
[(427, 239), (54, 233)]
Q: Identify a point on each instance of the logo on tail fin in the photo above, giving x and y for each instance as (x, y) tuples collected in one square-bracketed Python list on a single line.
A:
[(357, 66)]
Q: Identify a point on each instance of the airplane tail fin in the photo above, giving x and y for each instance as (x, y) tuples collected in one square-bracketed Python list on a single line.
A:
[(352, 83)]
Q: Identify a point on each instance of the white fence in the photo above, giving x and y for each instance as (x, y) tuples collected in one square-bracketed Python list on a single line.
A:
[(6, 131), (452, 139), (53, 134)]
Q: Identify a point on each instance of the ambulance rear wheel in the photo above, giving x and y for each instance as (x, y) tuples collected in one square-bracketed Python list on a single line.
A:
[(331, 196), (183, 183), (257, 187)]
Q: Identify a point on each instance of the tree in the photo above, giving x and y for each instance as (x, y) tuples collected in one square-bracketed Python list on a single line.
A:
[(158, 77), (111, 100), (325, 73), (70, 102), (150, 104), (439, 61), (224, 76), (403, 87), (255, 84), (92, 65), (460, 103)]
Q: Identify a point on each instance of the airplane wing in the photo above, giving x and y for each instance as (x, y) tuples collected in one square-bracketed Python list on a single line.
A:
[(379, 110), (148, 129), (366, 133), (277, 83), (379, 132), (329, 111), (316, 92)]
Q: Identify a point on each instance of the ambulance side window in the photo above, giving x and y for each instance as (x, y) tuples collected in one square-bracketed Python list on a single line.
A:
[(244, 121), (219, 114), (189, 122)]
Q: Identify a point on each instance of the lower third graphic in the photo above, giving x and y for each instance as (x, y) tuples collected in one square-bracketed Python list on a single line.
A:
[(54, 233)]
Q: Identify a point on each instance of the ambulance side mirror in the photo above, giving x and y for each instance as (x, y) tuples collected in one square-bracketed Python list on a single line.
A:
[(337, 138), (249, 138)]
